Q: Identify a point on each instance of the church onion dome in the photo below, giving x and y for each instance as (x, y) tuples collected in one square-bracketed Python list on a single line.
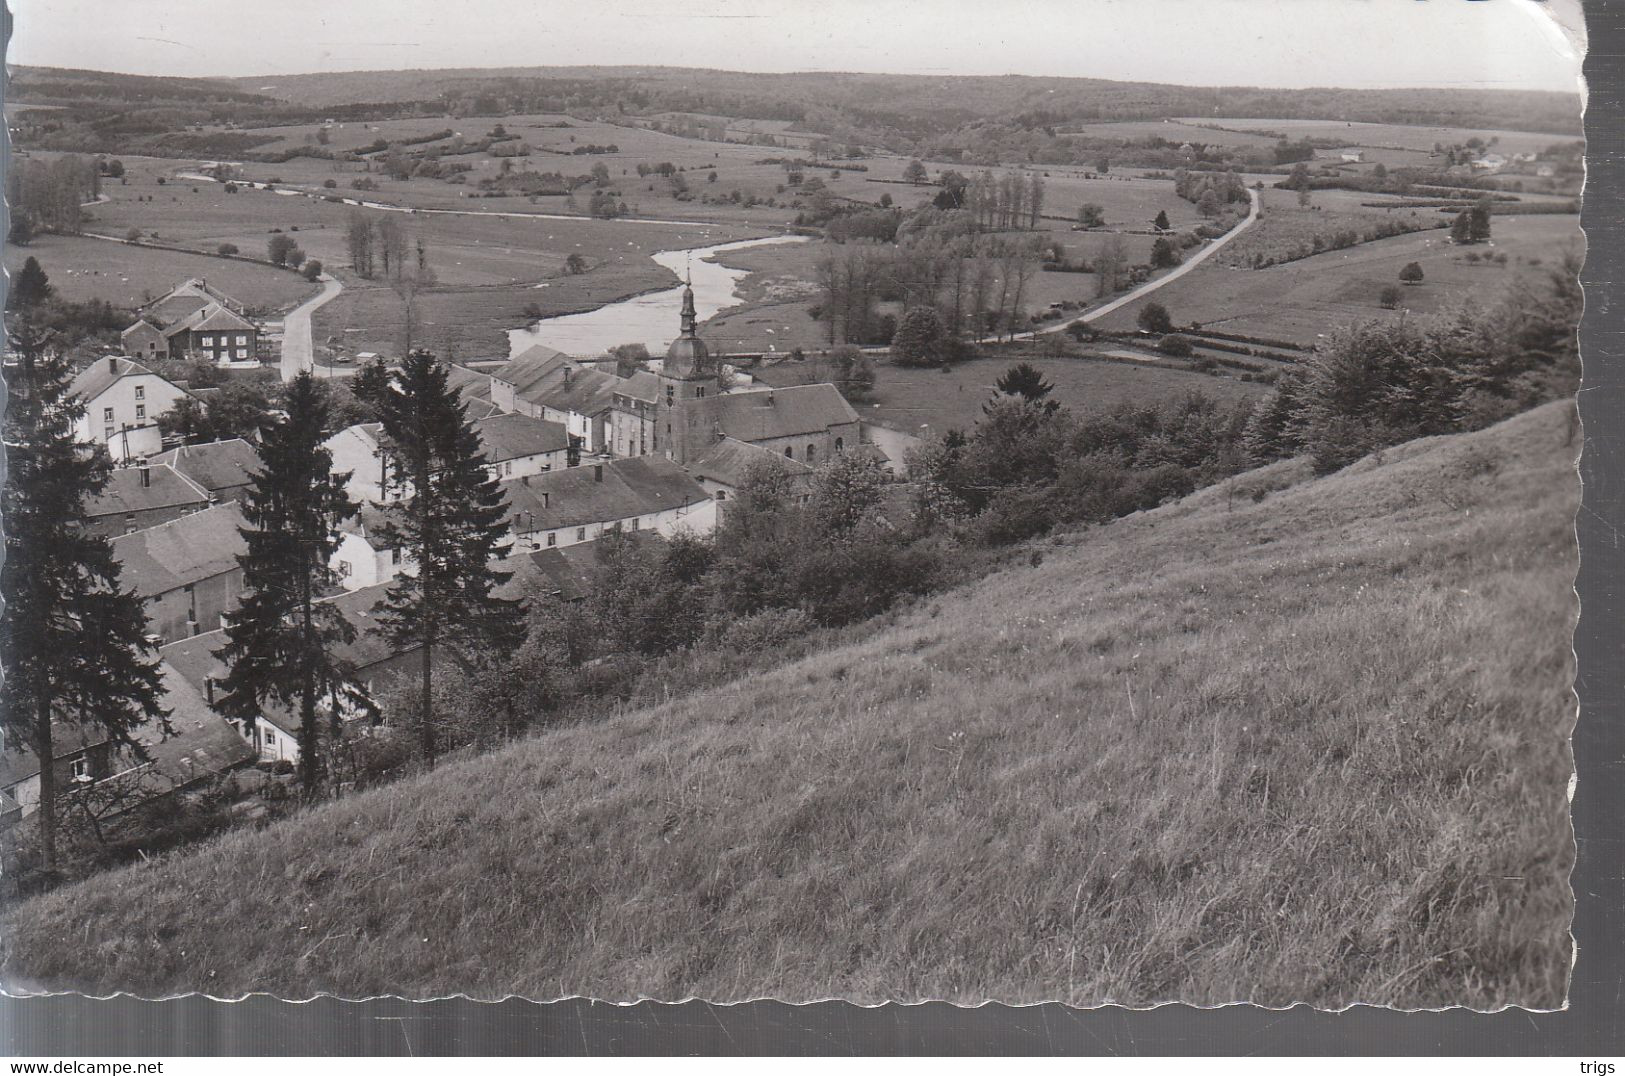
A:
[(687, 357)]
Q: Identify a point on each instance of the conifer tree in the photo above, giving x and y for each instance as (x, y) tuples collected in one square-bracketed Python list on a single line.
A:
[(449, 524), (30, 287), (73, 643), (279, 640)]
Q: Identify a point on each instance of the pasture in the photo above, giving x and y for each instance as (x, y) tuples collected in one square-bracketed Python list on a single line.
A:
[(1377, 135), (83, 268), (1302, 300)]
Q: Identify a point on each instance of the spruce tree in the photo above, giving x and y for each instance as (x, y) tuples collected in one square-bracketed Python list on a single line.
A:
[(279, 640), (449, 523), (73, 643), (30, 287)]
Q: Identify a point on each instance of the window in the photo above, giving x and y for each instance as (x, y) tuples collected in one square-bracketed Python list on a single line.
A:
[(581, 534), (207, 341), (552, 539), (141, 392), (722, 494), (242, 353), (789, 452), (671, 395), (108, 433), (344, 569), (394, 556), (812, 453), (242, 340), (141, 412), (699, 392), (81, 769), (270, 737), (839, 444), (507, 467), (107, 414), (636, 523)]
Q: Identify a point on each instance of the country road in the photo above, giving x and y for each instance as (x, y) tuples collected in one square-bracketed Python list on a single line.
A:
[(1152, 285), (298, 349)]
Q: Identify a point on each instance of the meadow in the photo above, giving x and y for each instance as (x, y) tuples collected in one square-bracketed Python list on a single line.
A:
[(1302, 300), (83, 268), (1375, 135), (1111, 772)]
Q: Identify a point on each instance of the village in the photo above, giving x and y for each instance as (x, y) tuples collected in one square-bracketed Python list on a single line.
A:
[(580, 453)]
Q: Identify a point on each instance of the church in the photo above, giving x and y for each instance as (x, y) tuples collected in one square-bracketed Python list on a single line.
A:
[(681, 412)]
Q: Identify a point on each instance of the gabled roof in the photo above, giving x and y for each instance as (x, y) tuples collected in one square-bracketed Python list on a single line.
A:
[(173, 308), (102, 374), (125, 494), (216, 466), (18, 761), (600, 493), (642, 385), (222, 319), (511, 437), (190, 549), (474, 389), (200, 742), (530, 366), (728, 459), (540, 375), (765, 414)]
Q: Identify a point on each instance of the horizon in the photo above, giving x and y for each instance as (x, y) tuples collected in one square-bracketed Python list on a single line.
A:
[(1530, 45)]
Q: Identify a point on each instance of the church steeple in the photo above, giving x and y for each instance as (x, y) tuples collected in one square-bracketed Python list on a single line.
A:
[(688, 310)]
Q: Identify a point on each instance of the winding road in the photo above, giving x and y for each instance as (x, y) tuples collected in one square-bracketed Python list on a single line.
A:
[(298, 349), (1152, 285)]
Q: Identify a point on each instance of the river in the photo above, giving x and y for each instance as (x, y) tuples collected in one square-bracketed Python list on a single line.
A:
[(650, 319)]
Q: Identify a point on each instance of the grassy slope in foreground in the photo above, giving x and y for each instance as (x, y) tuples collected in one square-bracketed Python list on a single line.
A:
[(1308, 749)]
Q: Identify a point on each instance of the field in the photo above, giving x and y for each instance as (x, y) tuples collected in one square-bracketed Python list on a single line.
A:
[(82, 268), (921, 402), (1113, 772), (1376, 135), (1302, 300)]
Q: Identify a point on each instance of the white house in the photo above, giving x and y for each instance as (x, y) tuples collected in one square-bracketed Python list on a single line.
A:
[(550, 385), (362, 558), (123, 400), (582, 504), (517, 445)]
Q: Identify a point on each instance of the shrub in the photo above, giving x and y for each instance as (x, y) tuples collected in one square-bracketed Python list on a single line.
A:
[(1154, 318), (1411, 274), (330, 183), (1178, 346), (765, 631), (1389, 297)]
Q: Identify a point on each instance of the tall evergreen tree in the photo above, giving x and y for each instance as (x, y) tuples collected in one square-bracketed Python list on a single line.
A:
[(449, 523), (30, 287), (73, 644), (279, 640)]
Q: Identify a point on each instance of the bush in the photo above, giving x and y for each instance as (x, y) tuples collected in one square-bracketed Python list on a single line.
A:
[(768, 630), (227, 249), (1389, 298), (1154, 318), (330, 183), (1177, 346)]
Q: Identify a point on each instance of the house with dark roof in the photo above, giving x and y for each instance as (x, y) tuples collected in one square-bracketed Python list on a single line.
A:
[(721, 468), (82, 754), (185, 571), (223, 469), (141, 496), (123, 400), (582, 504), (195, 321), (473, 388), (551, 385), (273, 736), (516, 445)]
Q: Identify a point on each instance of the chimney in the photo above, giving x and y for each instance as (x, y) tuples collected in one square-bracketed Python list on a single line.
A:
[(566, 375), (598, 472), (208, 688), (146, 472), (112, 364)]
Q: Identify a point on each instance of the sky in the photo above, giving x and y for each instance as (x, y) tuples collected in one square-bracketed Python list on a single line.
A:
[(1508, 44)]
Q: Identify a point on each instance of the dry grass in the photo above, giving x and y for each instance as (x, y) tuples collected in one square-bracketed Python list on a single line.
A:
[(1308, 749)]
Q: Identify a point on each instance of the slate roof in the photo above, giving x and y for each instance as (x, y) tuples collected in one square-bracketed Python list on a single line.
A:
[(165, 312), (512, 437), (577, 497), (221, 318), (216, 466), (101, 375), (125, 495), (18, 761), (642, 385), (553, 379), (200, 742), (474, 389), (763, 414), (728, 459), (186, 550)]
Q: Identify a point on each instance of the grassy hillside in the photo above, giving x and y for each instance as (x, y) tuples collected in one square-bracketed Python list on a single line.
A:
[(1310, 747)]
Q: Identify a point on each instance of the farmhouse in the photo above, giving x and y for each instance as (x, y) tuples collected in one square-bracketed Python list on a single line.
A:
[(185, 570), (123, 400), (689, 412), (582, 504), (194, 321), (516, 445), (721, 468), (223, 469), (363, 559), (550, 385), (84, 753), (274, 736), (141, 496)]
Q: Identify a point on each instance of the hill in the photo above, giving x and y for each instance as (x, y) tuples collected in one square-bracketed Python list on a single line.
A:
[(1285, 740)]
